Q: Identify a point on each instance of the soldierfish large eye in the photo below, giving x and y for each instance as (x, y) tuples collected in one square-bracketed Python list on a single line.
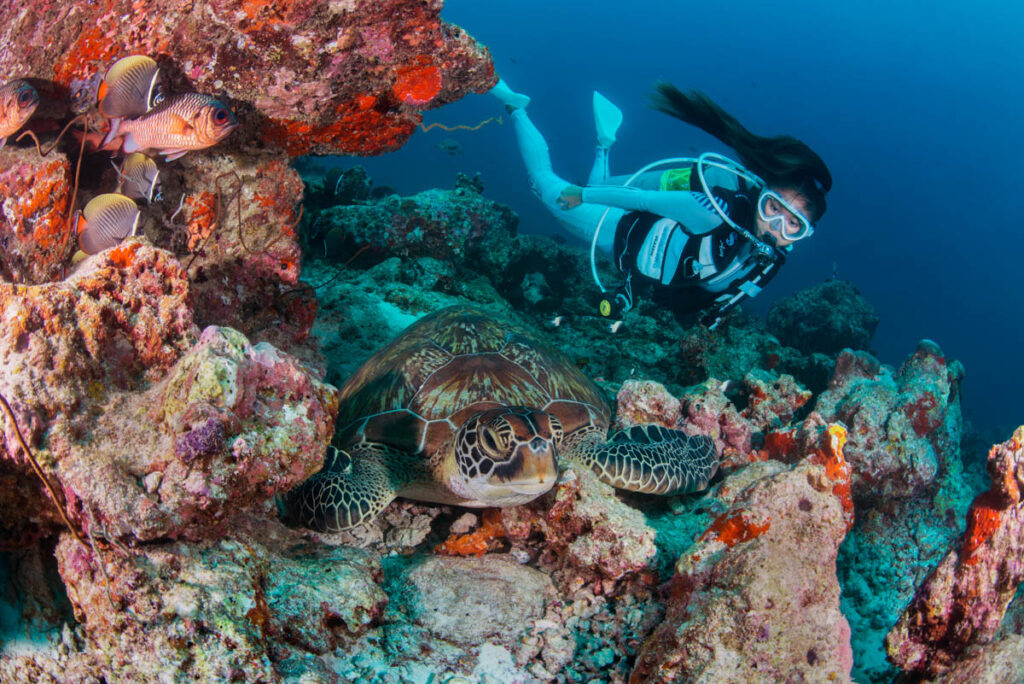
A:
[(221, 115), (25, 97)]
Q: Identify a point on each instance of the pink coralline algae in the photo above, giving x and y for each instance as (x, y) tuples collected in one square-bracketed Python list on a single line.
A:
[(249, 608), (642, 402), (903, 428), (961, 604), (35, 193), (589, 536), (128, 424), (291, 71), (744, 588)]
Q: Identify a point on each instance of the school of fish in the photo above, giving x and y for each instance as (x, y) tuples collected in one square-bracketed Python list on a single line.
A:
[(143, 122)]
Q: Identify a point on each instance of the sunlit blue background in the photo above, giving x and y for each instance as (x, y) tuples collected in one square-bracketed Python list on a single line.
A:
[(916, 107)]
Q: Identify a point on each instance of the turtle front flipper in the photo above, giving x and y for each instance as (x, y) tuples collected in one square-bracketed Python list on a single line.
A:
[(349, 490), (652, 459)]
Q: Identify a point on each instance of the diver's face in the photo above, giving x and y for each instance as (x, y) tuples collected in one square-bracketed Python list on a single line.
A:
[(773, 208)]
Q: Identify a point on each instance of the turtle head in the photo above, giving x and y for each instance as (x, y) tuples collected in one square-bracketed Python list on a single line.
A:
[(506, 456)]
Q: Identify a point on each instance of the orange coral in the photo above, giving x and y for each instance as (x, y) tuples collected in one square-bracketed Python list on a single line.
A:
[(262, 14), (417, 83), (122, 256), (837, 469), (474, 543), (780, 444), (982, 522), (734, 529), (357, 130), (203, 218), (92, 48)]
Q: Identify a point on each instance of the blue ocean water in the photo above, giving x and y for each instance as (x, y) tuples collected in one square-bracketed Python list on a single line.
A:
[(914, 107)]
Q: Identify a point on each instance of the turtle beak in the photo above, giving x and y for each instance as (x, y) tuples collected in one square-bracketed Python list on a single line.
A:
[(539, 469)]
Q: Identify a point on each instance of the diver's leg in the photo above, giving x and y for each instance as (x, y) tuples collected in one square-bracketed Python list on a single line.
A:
[(581, 221), (599, 171)]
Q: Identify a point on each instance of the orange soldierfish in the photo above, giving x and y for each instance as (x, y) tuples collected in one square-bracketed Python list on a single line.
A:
[(179, 124), (18, 100)]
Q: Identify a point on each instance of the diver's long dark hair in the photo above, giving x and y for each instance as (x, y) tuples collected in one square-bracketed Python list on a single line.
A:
[(781, 160)]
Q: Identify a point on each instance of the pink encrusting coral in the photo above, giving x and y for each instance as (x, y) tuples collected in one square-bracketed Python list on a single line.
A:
[(292, 69), (903, 428), (961, 604), (35, 217), (243, 609), (745, 605), (147, 435)]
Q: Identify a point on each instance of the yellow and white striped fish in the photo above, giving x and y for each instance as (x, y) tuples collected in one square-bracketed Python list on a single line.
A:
[(128, 87), (139, 175), (18, 100), (179, 124), (105, 221)]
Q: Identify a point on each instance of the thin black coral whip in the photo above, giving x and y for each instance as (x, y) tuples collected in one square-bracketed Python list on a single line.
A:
[(39, 471)]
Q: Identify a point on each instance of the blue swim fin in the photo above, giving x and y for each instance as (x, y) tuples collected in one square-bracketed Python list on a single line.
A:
[(508, 97), (607, 119)]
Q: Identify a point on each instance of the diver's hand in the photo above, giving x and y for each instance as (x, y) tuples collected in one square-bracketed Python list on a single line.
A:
[(571, 197)]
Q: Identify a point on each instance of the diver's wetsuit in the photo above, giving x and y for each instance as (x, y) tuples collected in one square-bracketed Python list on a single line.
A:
[(660, 230)]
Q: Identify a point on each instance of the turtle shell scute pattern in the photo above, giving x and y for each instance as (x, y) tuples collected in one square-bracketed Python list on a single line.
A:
[(412, 393)]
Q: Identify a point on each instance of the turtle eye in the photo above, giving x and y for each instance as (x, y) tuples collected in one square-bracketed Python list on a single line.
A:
[(490, 441)]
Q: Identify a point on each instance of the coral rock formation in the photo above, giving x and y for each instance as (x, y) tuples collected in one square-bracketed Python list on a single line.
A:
[(963, 601), (744, 604), (825, 318), (312, 77), (243, 609), (35, 193)]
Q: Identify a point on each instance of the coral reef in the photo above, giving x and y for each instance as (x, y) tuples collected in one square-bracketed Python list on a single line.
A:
[(251, 607), (743, 605), (308, 77), (227, 424), (826, 318), (963, 601), (445, 225), (171, 387), (904, 427), (588, 536), (36, 193)]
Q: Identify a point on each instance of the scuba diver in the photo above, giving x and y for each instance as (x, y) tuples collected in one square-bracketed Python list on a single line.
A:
[(704, 233)]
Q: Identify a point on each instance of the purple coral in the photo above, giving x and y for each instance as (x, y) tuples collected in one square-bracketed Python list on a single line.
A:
[(204, 440)]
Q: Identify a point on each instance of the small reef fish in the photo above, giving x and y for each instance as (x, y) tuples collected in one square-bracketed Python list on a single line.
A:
[(179, 124), (128, 87), (105, 221), (450, 146), (557, 321), (18, 101), (614, 326), (139, 178)]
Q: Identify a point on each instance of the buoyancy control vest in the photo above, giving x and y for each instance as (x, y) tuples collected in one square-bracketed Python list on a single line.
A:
[(691, 271)]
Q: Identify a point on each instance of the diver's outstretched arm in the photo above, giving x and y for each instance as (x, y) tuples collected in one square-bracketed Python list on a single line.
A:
[(692, 209)]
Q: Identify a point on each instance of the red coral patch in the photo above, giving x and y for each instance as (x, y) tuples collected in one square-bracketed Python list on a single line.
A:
[(417, 85)]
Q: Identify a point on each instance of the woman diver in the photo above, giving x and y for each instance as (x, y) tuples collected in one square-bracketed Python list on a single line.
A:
[(704, 233)]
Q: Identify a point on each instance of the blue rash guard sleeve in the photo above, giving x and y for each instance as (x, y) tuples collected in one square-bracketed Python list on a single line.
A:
[(691, 209)]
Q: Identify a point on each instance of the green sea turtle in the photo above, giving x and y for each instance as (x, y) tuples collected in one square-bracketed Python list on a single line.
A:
[(463, 409)]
